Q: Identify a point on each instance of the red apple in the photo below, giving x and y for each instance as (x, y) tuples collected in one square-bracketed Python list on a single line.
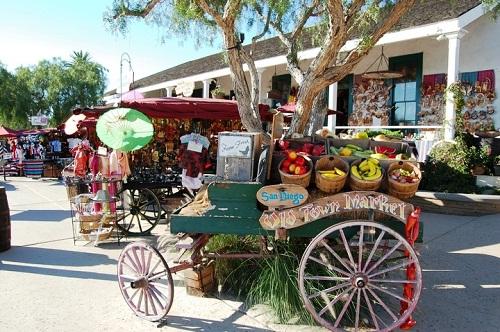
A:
[(300, 161), (286, 163), (308, 148)]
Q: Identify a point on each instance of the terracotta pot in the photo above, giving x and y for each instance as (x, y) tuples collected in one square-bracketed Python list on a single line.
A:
[(497, 170), (478, 170)]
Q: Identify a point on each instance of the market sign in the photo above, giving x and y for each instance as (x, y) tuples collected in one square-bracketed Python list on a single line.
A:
[(282, 195), (41, 120), (336, 204), (235, 146)]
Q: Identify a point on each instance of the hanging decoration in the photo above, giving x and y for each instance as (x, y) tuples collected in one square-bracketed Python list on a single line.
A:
[(479, 91), (380, 73), (371, 102), (433, 100)]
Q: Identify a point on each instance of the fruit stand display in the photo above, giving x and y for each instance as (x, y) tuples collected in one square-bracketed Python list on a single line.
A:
[(360, 270)]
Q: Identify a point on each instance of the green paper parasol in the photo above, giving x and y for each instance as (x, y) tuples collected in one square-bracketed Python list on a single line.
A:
[(124, 129)]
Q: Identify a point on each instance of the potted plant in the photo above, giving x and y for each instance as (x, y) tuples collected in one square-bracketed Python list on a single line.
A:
[(497, 166), (218, 92), (478, 160)]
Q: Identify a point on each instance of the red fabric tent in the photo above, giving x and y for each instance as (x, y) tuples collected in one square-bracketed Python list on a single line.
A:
[(7, 132), (190, 108)]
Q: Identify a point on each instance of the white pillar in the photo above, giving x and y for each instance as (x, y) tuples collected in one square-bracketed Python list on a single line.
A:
[(453, 67), (168, 91), (206, 88), (260, 71), (332, 104)]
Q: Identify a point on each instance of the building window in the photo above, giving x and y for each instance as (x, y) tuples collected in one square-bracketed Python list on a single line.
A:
[(406, 90)]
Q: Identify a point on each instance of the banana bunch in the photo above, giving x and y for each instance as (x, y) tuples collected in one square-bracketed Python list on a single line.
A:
[(332, 174), (369, 169)]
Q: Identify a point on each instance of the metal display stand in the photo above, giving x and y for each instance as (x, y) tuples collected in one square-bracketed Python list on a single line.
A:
[(94, 216)]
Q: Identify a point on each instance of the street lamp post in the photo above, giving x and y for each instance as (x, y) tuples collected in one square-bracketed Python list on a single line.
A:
[(124, 57)]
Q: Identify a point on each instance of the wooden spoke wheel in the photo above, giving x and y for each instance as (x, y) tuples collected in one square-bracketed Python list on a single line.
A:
[(140, 212), (353, 276), (145, 281)]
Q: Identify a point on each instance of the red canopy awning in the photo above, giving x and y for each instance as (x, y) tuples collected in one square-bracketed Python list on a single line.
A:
[(7, 132), (290, 108), (190, 108)]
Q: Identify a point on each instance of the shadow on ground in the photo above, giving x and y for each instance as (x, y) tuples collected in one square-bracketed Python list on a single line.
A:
[(7, 186), (46, 261), (40, 215), (205, 325)]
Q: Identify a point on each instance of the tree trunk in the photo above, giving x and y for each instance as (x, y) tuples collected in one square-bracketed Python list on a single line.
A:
[(305, 101), (247, 108), (318, 114)]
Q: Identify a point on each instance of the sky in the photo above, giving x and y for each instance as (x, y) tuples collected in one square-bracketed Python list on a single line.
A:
[(34, 30)]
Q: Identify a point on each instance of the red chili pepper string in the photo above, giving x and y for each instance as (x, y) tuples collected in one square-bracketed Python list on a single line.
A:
[(411, 231)]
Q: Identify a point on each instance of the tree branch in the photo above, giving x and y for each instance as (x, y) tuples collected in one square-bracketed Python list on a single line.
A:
[(308, 12), (355, 56), (143, 12), (353, 10), (291, 46), (336, 37), (231, 8), (212, 12), (262, 34)]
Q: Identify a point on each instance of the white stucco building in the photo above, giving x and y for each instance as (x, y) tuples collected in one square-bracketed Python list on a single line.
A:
[(435, 44)]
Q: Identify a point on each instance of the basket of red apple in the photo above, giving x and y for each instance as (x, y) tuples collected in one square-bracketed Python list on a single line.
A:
[(296, 168), (404, 178)]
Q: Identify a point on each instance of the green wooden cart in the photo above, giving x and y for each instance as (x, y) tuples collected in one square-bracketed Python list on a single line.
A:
[(359, 272)]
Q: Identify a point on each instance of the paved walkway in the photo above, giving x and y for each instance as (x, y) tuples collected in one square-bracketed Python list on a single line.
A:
[(49, 284)]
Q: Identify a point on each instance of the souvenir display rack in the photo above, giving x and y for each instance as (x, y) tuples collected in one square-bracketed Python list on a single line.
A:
[(94, 217)]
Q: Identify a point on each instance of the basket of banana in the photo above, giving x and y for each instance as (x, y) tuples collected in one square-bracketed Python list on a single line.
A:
[(366, 175), (331, 174)]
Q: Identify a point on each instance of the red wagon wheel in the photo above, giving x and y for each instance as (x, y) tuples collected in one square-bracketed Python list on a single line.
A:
[(145, 281), (353, 276)]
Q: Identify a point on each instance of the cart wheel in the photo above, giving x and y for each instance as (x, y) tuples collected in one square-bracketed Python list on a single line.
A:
[(353, 275), (140, 211), (145, 281)]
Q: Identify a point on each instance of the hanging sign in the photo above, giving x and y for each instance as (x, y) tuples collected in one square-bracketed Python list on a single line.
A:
[(282, 195), (336, 204), (41, 120)]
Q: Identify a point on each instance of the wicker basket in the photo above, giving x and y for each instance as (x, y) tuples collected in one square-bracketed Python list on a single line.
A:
[(104, 234), (72, 191), (331, 185), (364, 185), (403, 190), (89, 222), (301, 180)]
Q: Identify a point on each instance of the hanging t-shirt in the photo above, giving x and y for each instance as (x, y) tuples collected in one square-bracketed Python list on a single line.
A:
[(55, 145)]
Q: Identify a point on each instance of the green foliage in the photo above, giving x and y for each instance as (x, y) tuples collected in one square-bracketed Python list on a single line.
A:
[(233, 275), (448, 168), (277, 284), (52, 87), (389, 133)]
